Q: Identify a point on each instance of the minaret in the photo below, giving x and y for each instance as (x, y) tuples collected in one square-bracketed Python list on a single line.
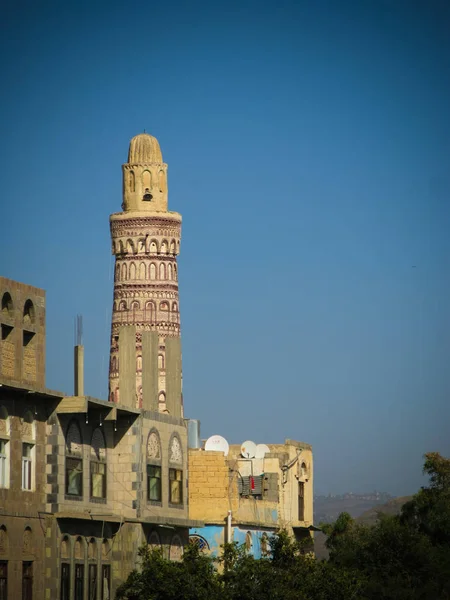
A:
[(146, 242)]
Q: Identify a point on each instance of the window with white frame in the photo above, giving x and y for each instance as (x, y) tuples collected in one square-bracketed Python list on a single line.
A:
[(27, 466)]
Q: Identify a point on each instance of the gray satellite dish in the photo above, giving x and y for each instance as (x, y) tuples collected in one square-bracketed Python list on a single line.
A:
[(248, 449)]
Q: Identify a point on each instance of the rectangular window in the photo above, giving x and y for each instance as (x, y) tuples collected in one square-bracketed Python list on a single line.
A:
[(3, 580), (27, 466), (301, 501), (3, 465), (106, 581), (79, 582), (92, 582), (154, 483), (98, 480), (74, 476), (175, 486), (65, 581), (27, 580)]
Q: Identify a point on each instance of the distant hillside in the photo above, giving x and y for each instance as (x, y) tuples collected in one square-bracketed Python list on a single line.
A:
[(393, 507), (328, 508)]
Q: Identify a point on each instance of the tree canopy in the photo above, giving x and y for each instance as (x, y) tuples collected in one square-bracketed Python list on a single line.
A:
[(401, 557)]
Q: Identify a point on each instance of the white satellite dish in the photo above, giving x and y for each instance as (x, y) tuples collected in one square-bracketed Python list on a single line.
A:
[(248, 449), (217, 443), (261, 450)]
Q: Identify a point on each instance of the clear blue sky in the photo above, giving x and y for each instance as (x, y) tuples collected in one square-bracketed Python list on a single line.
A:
[(308, 145)]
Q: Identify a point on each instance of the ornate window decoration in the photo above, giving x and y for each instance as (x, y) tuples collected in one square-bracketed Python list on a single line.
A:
[(176, 453), (98, 464), (154, 483), (4, 545), (175, 474), (176, 548), (199, 541), (153, 540), (74, 460), (27, 546), (28, 426)]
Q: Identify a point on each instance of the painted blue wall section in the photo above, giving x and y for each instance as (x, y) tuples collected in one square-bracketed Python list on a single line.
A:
[(215, 537)]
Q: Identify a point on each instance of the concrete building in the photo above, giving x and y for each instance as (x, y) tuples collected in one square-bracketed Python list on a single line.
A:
[(246, 499), (85, 482)]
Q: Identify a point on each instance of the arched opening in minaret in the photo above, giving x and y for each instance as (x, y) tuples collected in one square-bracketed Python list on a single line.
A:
[(149, 312), (173, 249), (169, 271), (160, 361), (175, 272), (152, 271), (162, 271), (142, 271), (147, 180), (132, 271), (131, 181), (124, 272), (153, 247), (164, 247), (162, 181)]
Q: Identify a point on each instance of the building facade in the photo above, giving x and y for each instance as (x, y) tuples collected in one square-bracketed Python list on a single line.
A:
[(245, 500), (85, 482)]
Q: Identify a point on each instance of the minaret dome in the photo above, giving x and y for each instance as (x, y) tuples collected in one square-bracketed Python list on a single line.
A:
[(144, 148)]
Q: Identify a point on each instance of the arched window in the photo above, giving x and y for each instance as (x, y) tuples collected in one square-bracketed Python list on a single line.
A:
[(175, 471), (74, 460), (92, 569), (164, 307), (169, 271), (154, 487), (175, 272), (173, 247), (164, 247), (161, 398), (130, 246), (139, 363), (4, 541), (160, 361), (147, 180), (162, 181), (248, 541), (28, 313), (150, 310), (162, 271), (117, 273), (122, 305), (152, 271), (28, 426), (65, 568), (124, 272), (131, 181), (153, 247), (27, 541), (142, 271), (154, 540), (78, 553), (98, 464), (176, 548), (7, 304), (132, 271), (199, 541)]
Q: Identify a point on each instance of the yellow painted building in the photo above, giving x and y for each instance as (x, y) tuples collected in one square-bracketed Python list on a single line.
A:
[(245, 499)]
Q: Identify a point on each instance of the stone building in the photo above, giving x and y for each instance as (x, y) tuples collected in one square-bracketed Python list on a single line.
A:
[(246, 499), (83, 481)]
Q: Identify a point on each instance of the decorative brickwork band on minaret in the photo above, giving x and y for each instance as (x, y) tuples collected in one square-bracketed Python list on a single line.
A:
[(146, 242)]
